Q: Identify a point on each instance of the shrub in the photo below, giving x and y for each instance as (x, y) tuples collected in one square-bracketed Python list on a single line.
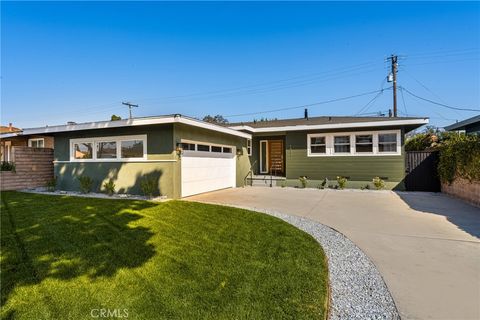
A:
[(459, 157), (51, 184), (148, 186), (342, 182), (303, 181), (86, 184), (365, 187), (325, 183), (109, 187), (7, 166), (283, 184), (378, 183)]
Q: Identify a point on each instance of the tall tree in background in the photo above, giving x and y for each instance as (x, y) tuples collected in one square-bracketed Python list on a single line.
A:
[(114, 117), (219, 119)]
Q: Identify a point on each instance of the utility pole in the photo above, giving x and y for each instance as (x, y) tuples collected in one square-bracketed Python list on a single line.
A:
[(130, 106), (394, 59)]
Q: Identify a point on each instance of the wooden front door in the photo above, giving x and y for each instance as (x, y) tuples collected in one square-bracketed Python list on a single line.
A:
[(275, 157)]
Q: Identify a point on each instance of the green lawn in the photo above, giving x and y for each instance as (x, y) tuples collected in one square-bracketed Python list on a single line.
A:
[(63, 256)]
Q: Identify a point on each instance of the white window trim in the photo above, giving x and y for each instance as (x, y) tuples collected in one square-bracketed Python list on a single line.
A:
[(333, 144), (30, 141), (309, 143), (117, 139), (210, 145), (329, 141)]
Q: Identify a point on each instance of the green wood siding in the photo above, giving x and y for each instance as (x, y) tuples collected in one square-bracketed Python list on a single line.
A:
[(159, 139), (357, 168)]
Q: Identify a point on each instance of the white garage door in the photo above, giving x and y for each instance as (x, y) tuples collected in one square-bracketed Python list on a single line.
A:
[(204, 171)]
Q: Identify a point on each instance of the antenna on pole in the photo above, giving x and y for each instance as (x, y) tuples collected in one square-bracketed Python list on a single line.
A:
[(130, 106)]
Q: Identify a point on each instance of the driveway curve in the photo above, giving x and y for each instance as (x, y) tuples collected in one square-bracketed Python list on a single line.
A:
[(425, 245)]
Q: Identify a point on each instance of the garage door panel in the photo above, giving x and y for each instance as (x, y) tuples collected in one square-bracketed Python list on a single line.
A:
[(202, 174)]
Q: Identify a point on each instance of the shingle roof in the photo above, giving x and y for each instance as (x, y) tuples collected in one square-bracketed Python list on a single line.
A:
[(462, 124), (316, 121)]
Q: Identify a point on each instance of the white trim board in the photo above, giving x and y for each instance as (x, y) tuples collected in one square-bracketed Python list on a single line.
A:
[(134, 122), (329, 144), (116, 139), (349, 125)]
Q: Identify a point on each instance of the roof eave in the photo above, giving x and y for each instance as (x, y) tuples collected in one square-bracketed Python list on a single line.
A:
[(412, 123), (134, 122)]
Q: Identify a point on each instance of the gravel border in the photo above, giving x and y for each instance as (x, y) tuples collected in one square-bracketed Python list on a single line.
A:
[(116, 196), (357, 290)]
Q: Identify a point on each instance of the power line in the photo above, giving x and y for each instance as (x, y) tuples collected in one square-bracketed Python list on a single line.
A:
[(305, 105), (283, 83), (366, 106), (438, 103), (439, 52), (404, 104)]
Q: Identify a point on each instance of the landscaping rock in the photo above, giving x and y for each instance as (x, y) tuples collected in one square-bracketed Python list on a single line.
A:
[(357, 289)]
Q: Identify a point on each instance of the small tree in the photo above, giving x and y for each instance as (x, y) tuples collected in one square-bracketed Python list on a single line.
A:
[(218, 119), (114, 117)]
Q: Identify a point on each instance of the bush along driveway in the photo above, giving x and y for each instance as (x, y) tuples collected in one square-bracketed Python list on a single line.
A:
[(72, 258)]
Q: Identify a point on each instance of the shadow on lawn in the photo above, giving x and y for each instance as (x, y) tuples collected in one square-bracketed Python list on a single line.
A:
[(52, 237)]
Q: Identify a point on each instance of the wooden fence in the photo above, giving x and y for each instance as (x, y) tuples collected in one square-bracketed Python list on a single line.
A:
[(33, 168)]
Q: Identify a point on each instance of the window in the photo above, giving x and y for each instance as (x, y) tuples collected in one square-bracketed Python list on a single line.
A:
[(106, 150), (318, 145), (109, 148), (216, 149), (363, 143), (263, 156), (36, 143), (188, 146), (249, 147), (387, 142), (83, 150), (227, 150), (203, 147), (131, 149), (341, 144)]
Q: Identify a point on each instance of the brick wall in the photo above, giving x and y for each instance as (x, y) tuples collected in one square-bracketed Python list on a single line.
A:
[(33, 168), (463, 189)]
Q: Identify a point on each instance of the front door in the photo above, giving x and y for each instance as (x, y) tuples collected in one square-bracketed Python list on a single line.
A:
[(275, 157)]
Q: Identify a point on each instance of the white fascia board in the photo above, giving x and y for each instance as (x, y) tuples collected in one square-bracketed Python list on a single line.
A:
[(214, 127), (10, 135), (335, 125), (133, 122)]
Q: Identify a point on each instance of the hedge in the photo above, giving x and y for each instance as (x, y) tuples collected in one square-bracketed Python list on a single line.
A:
[(459, 157)]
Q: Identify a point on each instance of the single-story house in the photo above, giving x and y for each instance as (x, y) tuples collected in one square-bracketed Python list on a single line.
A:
[(186, 156), (358, 148), (470, 125)]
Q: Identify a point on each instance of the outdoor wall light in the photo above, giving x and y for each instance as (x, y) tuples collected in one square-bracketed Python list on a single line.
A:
[(179, 149), (240, 152)]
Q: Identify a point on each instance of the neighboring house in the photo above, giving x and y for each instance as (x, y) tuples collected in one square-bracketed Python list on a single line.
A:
[(182, 156), (185, 156), (471, 125), (359, 148), (11, 137)]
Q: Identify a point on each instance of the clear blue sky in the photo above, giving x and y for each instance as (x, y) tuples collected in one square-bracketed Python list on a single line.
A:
[(76, 61)]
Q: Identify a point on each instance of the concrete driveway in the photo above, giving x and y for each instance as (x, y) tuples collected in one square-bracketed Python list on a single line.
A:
[(425, 245)]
